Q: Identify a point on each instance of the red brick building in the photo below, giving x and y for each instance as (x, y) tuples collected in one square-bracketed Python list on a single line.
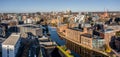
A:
[(74, 34)]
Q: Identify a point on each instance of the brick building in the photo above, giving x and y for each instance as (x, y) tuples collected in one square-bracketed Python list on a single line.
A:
[(82, 50), (83, 43), (74, 33), (93, 42)]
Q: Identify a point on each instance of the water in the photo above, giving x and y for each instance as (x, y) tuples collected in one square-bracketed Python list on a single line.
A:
[(55, 37)]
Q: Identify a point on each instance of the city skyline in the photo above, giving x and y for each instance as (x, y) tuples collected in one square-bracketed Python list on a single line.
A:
[(58, 5)]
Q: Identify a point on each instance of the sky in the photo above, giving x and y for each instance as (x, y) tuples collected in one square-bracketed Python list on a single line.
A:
[(58, 5)]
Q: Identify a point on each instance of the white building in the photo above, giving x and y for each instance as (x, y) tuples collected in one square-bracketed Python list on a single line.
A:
[(28, 21), (11, 45)]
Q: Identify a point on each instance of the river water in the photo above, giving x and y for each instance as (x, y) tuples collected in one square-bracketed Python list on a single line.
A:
[(55, 37)]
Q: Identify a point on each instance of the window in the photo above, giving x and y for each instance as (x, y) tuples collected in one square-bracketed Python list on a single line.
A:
[(7, 51), (11, 49)]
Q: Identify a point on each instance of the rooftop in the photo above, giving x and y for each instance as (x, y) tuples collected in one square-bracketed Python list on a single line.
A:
[(77, 29), (87, 35), (108, 30), (28, 25), (90, 36), (12, 40)]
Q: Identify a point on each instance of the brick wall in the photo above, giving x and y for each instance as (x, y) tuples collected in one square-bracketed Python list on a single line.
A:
[(74, 34), (86, 41)]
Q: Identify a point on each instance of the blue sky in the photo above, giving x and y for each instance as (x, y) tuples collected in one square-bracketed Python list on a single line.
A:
[(58, 5)]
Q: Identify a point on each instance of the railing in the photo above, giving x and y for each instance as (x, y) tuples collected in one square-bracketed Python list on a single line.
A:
[(64, 52)]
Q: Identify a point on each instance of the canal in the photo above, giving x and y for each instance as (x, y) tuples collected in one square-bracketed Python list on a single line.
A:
[(55, 37)]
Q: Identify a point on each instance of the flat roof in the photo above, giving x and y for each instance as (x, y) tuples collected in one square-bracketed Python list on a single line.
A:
[(12, 39), (87, 35), (28, 25), (90, 36), (77, 29)]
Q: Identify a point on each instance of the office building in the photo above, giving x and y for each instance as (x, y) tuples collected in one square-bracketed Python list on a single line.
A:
[(11, 45)]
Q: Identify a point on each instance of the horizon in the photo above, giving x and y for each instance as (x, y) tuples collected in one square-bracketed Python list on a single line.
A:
[(58, 11), (26, 6)]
